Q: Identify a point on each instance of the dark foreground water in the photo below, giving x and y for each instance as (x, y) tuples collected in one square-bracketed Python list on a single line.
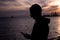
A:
[(10, 28)]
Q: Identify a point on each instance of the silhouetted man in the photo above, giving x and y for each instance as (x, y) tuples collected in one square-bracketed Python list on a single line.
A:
[(40, 29)]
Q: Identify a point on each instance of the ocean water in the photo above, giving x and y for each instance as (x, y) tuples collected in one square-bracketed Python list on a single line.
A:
[(10, 28)]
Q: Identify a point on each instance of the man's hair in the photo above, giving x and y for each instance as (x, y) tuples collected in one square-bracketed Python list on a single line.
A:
[(35, 8)]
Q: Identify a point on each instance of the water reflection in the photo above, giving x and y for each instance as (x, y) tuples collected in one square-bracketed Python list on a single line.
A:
[(58, 27), (54, 27), (10, 28)]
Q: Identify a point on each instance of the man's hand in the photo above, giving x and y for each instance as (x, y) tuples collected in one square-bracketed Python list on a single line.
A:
[(26, 35)]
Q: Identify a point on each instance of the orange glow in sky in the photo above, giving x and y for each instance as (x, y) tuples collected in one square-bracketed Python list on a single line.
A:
[(49, 5), (57, 2), (53, 2)]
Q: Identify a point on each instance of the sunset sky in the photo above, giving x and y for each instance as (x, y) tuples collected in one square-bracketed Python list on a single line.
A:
[(47, 5)]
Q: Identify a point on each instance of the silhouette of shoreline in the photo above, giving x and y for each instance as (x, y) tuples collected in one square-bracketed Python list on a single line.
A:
[(51, 16), (15, 17), (55, 38), (55, 14)]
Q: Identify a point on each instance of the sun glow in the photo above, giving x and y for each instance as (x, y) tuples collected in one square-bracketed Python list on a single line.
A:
[(57, 2)]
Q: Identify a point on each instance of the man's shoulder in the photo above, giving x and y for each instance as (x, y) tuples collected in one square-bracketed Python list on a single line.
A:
[(46, 20)]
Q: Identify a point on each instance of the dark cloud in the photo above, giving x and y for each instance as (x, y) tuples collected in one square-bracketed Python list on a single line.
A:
[(44, 2), (5, 3), (2, 4), (44, 5), (26, 2), (14, 13), (7, 0), (51, 8)]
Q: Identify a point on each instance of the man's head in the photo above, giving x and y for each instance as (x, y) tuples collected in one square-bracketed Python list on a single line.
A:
[(35, 11)]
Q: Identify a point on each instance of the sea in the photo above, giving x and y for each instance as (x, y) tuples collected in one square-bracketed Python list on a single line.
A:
[(11, 28)]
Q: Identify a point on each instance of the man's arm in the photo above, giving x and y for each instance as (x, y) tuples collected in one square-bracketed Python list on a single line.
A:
[(27, 36)]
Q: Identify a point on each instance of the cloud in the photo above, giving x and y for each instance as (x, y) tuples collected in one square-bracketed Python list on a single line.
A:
[(25, 4), (14, 5), (11, 6), (7, 0), (2, 4), (51, 8), (9, 3), (44, 5)]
